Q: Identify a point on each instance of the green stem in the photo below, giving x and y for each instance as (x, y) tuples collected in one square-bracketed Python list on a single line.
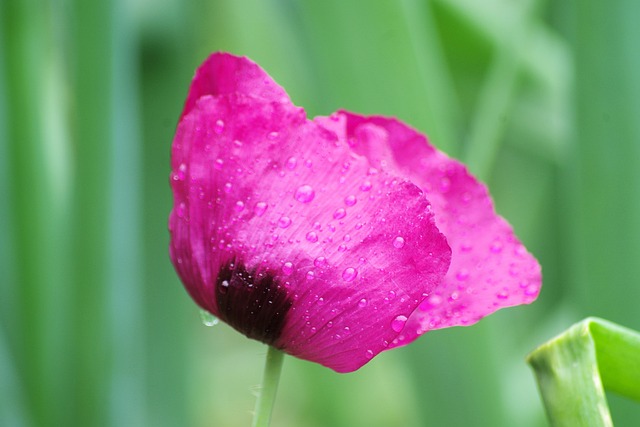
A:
[(574, 369), (267, 393)]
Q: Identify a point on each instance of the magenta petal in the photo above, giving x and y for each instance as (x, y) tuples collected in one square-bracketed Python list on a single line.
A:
[(224, 74), (490, 269), (282, 230)]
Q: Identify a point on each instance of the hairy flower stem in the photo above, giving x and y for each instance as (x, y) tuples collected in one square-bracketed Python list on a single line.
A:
[(267, 393)]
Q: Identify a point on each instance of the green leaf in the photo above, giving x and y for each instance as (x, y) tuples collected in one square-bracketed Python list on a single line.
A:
[(574, 369)]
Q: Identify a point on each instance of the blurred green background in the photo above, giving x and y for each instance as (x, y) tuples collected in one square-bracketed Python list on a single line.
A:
[(540, 98)]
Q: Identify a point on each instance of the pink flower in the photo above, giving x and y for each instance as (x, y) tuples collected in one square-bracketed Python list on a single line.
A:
[(332, 239)]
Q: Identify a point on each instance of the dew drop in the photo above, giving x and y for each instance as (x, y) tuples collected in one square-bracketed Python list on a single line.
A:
[(363, 303), (320, 261), (366, 186), (503, 294), (260, 208), (320, 301), (218, 127), (305, 194), (311, 275), (435, 300), (227, 187), (398, 323), (224, 285), (462, 275), (349, 274), (284, 222), (208, 319), (466, 247), (445, 184), (239, 206), (218, 163), (272, 136), (312, 237), (181, 174), (292, 162), (287, 268), (342, 248), (398, 242), (531, 290), (350, 200), (181, 210), (339, 213), (496, 247), (368, 354)]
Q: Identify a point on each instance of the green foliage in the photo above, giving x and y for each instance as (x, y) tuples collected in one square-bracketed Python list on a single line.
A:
[(540, 98), (574, 369)]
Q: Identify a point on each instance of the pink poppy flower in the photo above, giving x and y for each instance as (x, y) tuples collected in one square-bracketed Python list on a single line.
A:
[(335, 238)]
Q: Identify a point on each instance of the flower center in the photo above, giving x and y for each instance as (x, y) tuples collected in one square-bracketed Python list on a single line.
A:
[(252, 303)]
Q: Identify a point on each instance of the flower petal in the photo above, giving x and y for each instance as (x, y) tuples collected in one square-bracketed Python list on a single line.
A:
[(223, 74), (490, 268), (281, 230)]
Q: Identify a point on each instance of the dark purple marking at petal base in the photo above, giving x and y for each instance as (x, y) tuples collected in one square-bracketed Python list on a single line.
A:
[(252, 303)]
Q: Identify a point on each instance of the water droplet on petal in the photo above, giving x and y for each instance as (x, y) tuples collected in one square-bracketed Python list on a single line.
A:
[(503, 294), (366, 186), (305, 194), (284, 222), (349, 274), (312, 236), (218, 127), (445, 184), (320, 261), (339, 213), (462, 275), (224, 285), (466, 247), (362, 303), (311, 275), (369, 354), (272, 136), (496, 247), (435, 300), (182, 171), (532, 290), (239, 206), (398, 242), (287, 268), (350, 200), (292, 162), (218, 163), (398, 323), (260, 208)]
